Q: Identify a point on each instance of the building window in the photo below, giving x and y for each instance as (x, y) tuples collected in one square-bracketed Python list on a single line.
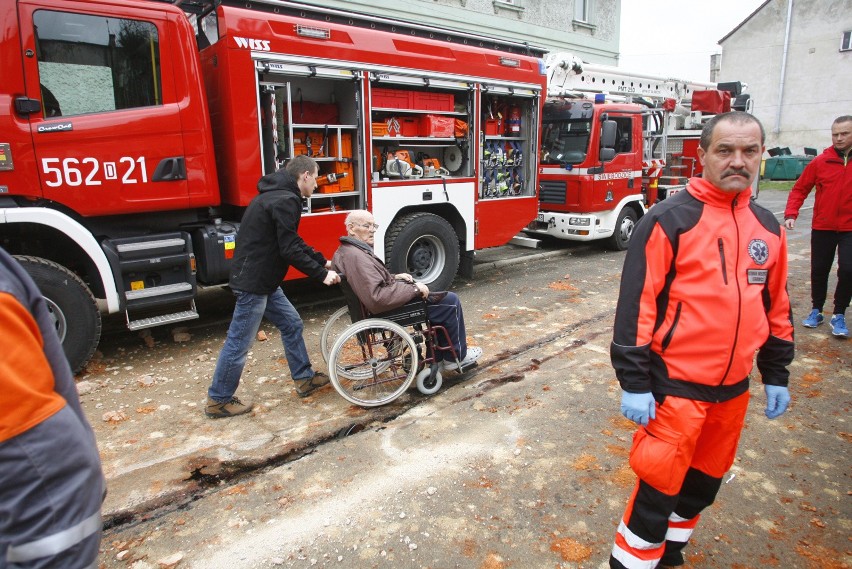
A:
[(846, 42), (515, 5), (583, 16), (581, 10)]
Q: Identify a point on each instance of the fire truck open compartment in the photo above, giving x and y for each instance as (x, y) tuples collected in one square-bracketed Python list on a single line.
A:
[(416, 127), (318, 117)]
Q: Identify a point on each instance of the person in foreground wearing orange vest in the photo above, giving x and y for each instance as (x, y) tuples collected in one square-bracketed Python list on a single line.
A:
[(831, 227), (51, 482), (704, 286)]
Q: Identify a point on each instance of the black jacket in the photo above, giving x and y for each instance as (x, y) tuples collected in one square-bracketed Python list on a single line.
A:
[(268, 241)]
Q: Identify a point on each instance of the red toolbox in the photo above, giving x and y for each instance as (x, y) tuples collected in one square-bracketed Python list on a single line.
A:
[(392, 98), (711, 102), (429, 101), (309, 112), (403, 126), (438, 126), (412, 100)]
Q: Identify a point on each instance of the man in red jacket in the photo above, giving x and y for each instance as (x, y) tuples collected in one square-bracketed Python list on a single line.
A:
[(704, 287), (831, 228)]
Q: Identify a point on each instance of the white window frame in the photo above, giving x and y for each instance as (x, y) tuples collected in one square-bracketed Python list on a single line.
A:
[(515, 5), (582, 10)]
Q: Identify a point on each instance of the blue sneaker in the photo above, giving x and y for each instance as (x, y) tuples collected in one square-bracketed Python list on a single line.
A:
[(814, 319), (838, 326)]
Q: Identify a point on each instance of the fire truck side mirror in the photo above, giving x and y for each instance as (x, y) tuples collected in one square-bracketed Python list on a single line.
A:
[(608, 132)]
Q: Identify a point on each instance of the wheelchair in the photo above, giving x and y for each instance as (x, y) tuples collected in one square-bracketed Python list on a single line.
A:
[(374, 358)]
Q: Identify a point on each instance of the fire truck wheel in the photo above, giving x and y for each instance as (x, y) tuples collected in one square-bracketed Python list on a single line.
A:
[(72, 308), (623, 229), (425, 246)]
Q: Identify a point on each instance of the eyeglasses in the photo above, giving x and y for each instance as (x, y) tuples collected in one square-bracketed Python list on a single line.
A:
[(373, 226)]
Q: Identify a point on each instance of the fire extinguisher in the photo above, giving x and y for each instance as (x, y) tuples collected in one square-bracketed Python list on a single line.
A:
[(513, 121)]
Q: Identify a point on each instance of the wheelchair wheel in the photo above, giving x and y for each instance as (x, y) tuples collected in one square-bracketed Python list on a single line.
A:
[(334, 326), (373, 362), (428, 386)]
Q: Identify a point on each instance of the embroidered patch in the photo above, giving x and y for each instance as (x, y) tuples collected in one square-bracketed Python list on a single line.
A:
[(758, 250), (757, 276)]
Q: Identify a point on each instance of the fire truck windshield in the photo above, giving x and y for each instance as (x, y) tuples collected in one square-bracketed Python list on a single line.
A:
[(565, 141)]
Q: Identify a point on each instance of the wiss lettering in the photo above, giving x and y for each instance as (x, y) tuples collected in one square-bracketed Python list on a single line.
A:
[(252, 44)]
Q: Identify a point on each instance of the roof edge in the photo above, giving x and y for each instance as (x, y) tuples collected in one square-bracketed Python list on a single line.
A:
[(741, 24)]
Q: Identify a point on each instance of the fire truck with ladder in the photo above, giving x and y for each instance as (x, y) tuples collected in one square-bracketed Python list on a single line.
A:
[(133, 134), (615, 142)]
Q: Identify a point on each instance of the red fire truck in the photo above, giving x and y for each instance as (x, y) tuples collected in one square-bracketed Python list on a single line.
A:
[(615, 142), (133, 134)]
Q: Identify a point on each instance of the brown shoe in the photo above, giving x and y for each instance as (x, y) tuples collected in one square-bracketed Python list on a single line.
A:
[(305, 387), (230, 408)]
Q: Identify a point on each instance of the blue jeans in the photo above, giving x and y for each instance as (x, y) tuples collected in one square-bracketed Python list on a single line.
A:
[(248, 312)]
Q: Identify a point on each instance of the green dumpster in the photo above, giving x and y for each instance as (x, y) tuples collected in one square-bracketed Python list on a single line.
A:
[(785, 167)]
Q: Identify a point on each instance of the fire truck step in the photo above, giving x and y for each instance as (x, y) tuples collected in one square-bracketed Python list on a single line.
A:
[(162, 319), (524, 241), (147, 245), (157, 291)]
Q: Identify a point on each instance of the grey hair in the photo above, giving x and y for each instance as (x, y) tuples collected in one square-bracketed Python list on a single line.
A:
[(739, 117)]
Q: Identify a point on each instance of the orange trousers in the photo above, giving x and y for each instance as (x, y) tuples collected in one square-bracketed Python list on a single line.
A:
[(680, 458)]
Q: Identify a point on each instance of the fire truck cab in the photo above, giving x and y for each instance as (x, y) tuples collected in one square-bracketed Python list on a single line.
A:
[(614, 143), (133, 134)]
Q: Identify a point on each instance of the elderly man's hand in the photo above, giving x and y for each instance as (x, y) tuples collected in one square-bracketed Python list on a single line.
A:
[(424, 290), (331, 278), (404, 277), (790, 223)]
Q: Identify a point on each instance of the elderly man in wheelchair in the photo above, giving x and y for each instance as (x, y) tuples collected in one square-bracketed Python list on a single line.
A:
[(375, 359)]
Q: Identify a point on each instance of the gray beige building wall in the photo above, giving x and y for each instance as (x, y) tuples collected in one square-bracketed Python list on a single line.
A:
[(588, 28), (817, 73)]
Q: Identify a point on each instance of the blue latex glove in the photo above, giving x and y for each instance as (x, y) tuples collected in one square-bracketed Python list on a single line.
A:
[(777, 399), (638, 407)]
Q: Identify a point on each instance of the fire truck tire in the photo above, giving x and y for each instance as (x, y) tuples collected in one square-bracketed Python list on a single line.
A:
[(624, 227), (425, 246), (72, 307)]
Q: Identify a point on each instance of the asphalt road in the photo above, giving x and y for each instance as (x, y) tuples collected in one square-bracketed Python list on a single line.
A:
[(521, 462)]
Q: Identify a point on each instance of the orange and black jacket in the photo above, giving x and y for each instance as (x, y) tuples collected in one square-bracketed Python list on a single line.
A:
[(704, 286)]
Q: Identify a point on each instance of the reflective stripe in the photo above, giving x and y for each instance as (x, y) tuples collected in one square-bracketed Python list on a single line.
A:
[(677, 519), (633, 540), (681, 535), (56, 543), (631, 561)]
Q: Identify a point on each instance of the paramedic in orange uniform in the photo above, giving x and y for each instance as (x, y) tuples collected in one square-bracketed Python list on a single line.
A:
[(51, 484), (704, 287)]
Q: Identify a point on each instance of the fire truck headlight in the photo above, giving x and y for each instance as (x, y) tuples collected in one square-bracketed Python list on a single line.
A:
[(585, 221)]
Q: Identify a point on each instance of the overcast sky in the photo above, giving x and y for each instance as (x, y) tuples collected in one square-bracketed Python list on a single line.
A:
[(676, 38)]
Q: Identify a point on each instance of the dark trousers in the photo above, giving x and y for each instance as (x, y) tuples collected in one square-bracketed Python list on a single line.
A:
[(51, 490), (824, 244), (447, 312)]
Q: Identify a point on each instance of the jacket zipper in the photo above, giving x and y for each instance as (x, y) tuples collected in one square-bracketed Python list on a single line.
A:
[(667, 339), (739, 293), (722, 258)]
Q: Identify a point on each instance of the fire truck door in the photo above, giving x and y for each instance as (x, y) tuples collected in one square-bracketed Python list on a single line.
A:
[(108, 136), (617, 179)]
